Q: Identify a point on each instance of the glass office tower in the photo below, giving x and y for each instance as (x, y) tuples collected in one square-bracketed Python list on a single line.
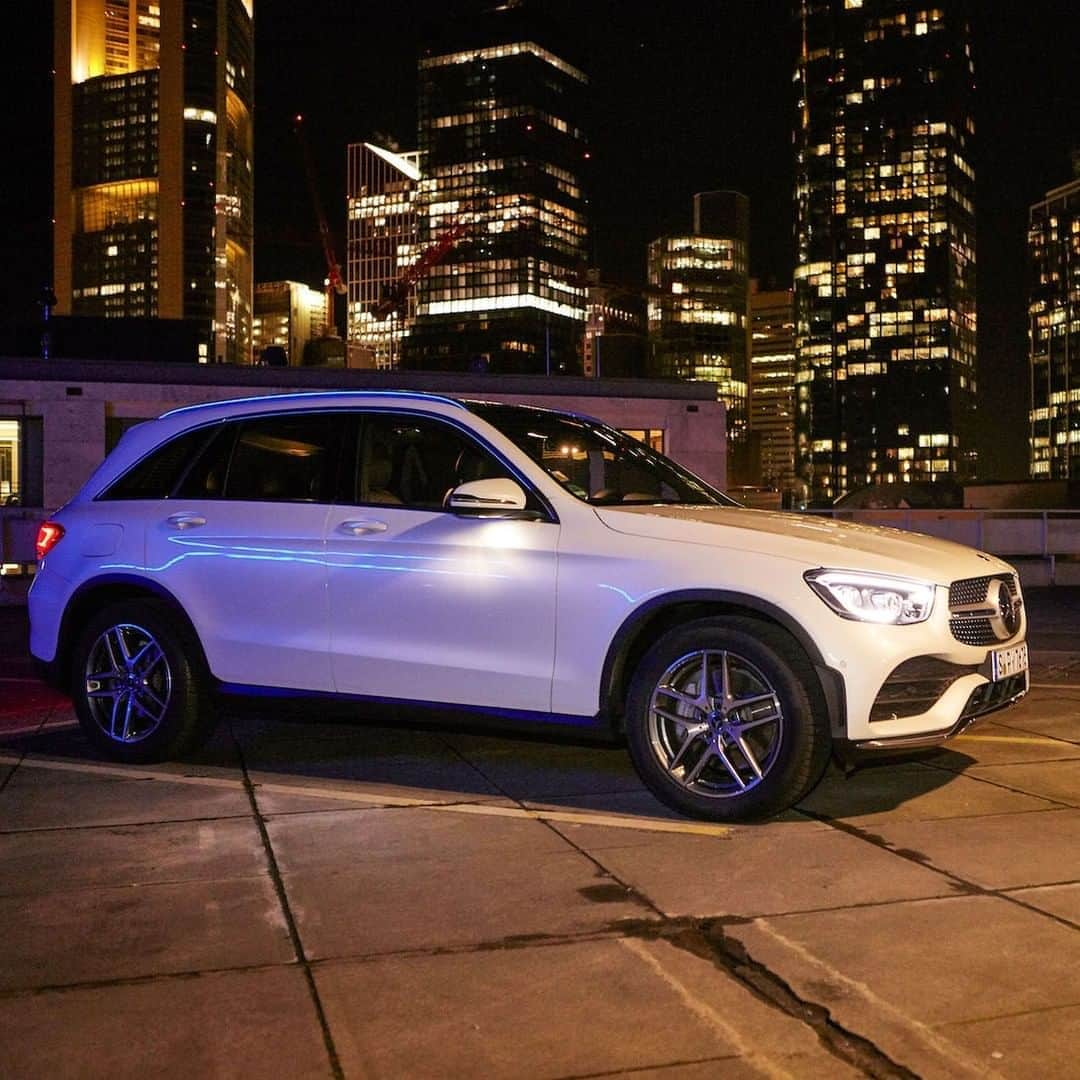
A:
[(772, 384), (885, 233), (381, 245), (153, 182), (1054, 333), (502, 152), (699, 303)]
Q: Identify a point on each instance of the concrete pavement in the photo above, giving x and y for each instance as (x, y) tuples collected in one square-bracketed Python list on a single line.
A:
[(337, 899)]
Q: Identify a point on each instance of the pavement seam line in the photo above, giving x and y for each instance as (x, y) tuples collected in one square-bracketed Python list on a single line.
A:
[(637, 1070), (294, 931), (939, 1045), (760, 1063), (1055, 802), (614, 821), (970, 888)]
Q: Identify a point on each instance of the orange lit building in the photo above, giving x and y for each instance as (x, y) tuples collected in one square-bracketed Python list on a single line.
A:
[(153, 181)]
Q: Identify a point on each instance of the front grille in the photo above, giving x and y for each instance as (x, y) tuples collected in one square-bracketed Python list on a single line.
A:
[(972, 617), (973, 590), (915, 687), (973, 631)]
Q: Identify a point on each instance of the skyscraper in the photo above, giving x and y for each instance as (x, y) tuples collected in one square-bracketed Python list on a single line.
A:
[(503, 148), (382, 243), (885, 232), (153, 164), (772, 384), (1054, 334), (699, 304)]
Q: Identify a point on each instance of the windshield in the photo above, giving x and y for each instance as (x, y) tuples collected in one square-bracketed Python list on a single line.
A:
[(597, 463)]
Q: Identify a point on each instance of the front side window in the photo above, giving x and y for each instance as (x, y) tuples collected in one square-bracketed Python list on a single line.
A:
[(415, 461), (596, 463)]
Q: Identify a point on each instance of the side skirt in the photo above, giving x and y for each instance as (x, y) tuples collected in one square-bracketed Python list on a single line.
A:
[(321, 705)]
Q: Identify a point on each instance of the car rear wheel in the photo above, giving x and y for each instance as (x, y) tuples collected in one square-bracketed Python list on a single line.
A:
[(137, 684), (720, 723)]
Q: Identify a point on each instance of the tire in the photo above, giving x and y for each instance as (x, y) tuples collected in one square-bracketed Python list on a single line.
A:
[(751, 747), (138, 685)]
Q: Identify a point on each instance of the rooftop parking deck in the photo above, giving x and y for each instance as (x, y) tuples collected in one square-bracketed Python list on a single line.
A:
[(316, 897)]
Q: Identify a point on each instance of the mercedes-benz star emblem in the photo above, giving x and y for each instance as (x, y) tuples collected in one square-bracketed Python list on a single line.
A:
[(1005, 616)]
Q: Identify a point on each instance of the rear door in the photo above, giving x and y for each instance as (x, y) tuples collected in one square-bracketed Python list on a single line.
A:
[(240, 545)]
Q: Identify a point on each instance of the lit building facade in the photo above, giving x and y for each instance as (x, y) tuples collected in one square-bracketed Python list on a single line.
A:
[(614, 345), (153, 182), (772, 384), (699, 303), (885, 234), (503, 150), (381, 245), (1054, 333), (288, 314)]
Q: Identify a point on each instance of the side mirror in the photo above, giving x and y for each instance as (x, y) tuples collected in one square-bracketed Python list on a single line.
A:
[(487, 498)]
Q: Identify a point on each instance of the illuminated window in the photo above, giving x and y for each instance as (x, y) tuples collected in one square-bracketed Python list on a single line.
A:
[(21, 461)]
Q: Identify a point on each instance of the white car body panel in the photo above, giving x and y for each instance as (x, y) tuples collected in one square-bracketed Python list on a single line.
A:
[(440, 608), (512, 615), (253, 582)]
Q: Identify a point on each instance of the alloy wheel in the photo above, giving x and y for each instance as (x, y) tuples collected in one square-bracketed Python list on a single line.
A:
[(128, 683), (715, 723)]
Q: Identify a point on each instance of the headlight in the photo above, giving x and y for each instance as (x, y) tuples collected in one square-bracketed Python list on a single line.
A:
[(874, 598)]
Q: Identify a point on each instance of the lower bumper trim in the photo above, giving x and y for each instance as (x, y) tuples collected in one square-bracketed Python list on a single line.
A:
[(984, 699)]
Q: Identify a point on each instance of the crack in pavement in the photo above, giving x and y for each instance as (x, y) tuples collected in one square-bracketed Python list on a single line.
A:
[(705, 938)]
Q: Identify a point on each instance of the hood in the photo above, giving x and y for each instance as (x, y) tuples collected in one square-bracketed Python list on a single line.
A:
[(815, 541)]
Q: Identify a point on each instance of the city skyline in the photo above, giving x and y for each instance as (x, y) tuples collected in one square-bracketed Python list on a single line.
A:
[(697, 101)]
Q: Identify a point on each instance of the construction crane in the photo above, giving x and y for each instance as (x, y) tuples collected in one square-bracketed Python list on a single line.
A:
[(397, 296), (335, 285)]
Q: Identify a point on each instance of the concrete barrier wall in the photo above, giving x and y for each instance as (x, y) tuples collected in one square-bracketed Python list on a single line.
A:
[(1044, 544)]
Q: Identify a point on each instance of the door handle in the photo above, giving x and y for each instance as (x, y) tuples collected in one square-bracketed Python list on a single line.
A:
[(186, 521), (362, 526)]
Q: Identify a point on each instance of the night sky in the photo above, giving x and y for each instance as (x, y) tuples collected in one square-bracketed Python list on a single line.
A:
[(687, 95)]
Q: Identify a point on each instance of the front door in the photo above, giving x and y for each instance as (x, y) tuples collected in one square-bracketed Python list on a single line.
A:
[(428, 606)]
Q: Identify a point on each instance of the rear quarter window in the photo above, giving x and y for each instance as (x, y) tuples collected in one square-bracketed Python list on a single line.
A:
[(155, 476)]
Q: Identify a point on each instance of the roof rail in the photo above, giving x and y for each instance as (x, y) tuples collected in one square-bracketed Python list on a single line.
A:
[(302, 396)]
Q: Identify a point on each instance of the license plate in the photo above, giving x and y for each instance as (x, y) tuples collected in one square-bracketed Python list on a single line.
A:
[(1010, 661)]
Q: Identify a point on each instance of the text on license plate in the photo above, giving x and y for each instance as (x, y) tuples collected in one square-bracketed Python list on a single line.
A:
[(1010, 661)]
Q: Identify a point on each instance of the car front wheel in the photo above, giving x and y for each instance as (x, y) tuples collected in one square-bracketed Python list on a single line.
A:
[(719, 720), (137, 686)]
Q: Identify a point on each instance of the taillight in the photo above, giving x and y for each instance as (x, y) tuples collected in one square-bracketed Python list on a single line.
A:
[(49, 535)]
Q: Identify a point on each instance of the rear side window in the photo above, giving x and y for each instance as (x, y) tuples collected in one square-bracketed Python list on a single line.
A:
[(283, 458), (157, 474)]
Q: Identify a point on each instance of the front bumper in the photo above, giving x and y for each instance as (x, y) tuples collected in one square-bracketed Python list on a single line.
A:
[(918, 685)]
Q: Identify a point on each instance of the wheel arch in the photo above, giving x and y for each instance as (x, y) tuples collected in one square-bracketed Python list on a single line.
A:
[(97, 593), (654, 618)]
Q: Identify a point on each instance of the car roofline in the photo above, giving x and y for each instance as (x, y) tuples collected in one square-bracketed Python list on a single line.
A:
[(319, 396)]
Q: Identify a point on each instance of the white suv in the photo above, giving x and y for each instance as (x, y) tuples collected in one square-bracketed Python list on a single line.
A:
[(510, 560)]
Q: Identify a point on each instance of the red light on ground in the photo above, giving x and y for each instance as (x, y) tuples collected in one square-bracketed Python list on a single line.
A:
[(49, 535)]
